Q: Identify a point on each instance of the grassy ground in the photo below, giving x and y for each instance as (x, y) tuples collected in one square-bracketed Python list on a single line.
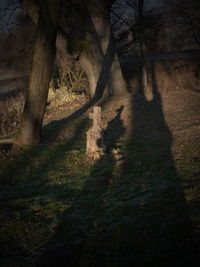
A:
[(60, 208), (138, 205)]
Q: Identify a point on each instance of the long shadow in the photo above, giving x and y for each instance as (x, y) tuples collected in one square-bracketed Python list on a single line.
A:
[(141, 219), (103, 168), (39, 160), (80, 219), (27, 180), (165, 233)]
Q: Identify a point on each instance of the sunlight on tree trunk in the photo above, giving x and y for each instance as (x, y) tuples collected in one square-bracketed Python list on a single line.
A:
[(102, 54)]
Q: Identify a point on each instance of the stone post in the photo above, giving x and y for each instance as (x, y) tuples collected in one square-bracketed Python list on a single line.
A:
[(95, 142)]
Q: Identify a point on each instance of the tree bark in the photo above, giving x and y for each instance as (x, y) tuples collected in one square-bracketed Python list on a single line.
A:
[(101, 62), (43, 58), (91, 60)]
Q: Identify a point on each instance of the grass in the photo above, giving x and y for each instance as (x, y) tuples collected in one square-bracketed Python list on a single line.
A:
[(146, 217)]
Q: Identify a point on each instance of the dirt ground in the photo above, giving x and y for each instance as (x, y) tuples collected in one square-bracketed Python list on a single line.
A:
[(177, 110), (178, 107)]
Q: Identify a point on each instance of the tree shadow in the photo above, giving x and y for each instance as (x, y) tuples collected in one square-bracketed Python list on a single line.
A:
[(165, 232), (37, 162), (79, 220), (140, 217), (41, 159)]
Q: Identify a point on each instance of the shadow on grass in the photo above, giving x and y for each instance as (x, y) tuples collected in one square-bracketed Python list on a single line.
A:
[(166, 234), (141, 218), (53, 215), (43, 181), (35, 187), (76, 238), (55, 211), (102, 171)]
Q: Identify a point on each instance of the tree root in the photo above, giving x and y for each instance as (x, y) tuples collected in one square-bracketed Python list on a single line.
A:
[(10, 141)]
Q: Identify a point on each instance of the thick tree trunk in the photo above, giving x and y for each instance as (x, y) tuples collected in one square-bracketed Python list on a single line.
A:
[(43, 58), (91, 60), (101, 61)]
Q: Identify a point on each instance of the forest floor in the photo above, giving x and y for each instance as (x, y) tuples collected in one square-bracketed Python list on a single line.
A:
[(138, 205)]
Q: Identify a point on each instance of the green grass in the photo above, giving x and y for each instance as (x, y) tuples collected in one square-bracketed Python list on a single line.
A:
[(146, 217)]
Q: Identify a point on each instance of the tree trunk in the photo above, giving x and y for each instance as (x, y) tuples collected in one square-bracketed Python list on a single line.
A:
[(101, 62), (43, 58), (142, 45), (91, 60)]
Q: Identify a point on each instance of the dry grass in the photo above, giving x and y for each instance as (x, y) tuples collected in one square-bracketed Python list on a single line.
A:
[(72, 86), (71, 76), (11, 107), (169, 75), (178, 75)]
